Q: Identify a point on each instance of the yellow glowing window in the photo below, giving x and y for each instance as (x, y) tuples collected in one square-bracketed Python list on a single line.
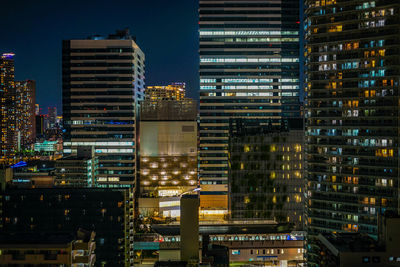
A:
[(274, 199), (381, 52), (246, 148)]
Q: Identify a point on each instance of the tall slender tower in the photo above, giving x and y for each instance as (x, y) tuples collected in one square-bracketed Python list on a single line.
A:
[(103, 80), (7, 108), (249, 68), (25, 112), (352, 86)]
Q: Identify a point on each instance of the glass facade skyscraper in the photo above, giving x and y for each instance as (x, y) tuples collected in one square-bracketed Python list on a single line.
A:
[(352, 109), (249, 68), (103, 82)]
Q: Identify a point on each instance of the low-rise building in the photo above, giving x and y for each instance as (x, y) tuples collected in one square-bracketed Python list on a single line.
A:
[(357, 249), (48, 248)]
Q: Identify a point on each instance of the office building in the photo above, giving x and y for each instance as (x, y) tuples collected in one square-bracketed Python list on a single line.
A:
[(249, 67), (266, 172), (352, 109), (48, 249), (25, 113), (103, 80), (173, 91), (8, 144)]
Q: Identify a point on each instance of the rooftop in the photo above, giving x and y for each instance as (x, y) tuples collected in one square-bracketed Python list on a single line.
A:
[(349, 242), (36, 238), (227, 229)]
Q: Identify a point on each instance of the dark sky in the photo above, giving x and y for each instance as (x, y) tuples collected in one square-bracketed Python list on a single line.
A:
[(165, 30)]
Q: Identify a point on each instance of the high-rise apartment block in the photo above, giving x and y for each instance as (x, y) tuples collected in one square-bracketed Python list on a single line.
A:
[(7, 106), (352, 86), (17, 115), (249, 67), (25, 112), (103, 81), (173, 91)]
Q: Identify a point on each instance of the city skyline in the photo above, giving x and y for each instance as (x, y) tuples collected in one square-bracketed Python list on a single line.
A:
[(169, 36), (200, 133)]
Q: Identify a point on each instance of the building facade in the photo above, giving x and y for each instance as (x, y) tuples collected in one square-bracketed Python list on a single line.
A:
[(7, 101), (173, 91), (266, 172), (48, 249), (17, 111), (352, 108), (107, 211), (249, 67), (25, 113), (80, 170), (168, 153), (103, 80)]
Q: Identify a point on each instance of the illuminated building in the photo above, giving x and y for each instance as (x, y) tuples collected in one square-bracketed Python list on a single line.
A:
[(174, 91), (17, 110), (168, 152), (46, 146), (103, 80), (25, 113), (249, 67), (8, 144), (37, 109), (356, 249), (107, 211), (247, 243), (266, 171), (79, 170), (352, 109), (48, 249)]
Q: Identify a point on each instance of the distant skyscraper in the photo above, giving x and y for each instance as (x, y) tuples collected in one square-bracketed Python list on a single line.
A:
[(352, 109), (174, 91), (8, 143), (249, 68), (37, 109), (103, 80), (25, 113), (52, 116)]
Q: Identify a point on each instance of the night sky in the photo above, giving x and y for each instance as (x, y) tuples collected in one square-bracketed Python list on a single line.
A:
[(165, 30)]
